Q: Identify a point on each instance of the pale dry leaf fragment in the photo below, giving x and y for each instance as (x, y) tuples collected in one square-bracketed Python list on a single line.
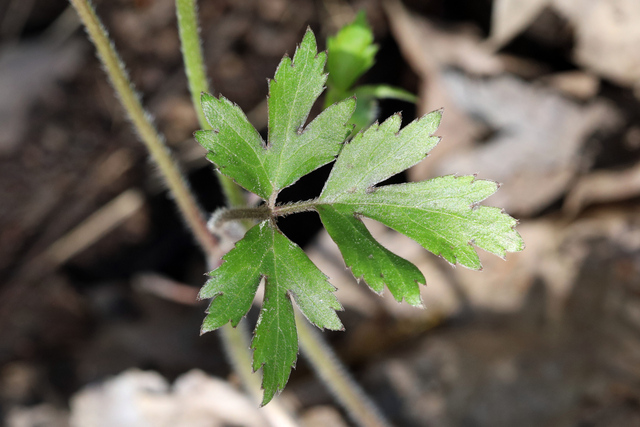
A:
[(43, 414), (144, 398), (577, 84), (607, 36), (322, 416), (536, 148), (556, 253), (427, 47), (606, 32), (504, 286), (511, 17), (602, 187)]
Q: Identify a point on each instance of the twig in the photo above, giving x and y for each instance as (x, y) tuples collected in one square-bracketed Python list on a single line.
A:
[(93, 228)]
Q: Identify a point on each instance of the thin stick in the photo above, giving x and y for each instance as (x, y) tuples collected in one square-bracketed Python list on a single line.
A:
[(95, 227), (142, 123), (186, 10)]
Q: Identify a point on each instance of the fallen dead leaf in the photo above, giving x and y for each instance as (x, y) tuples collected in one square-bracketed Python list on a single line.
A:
[(135, 398), (607, 36), (601, 187), (535, 149), (576, 84), (606, 32), (510, 17)]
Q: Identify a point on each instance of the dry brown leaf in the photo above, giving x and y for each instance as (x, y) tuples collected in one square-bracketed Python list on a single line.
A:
[(504, 286), (607, 36), (136, 398), (599, 187), (536, 148), (511, 17), (576, 84)]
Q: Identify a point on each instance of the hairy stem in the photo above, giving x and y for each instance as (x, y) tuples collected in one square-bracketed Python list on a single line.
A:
[(328, 367), (186, 10), (142, 123), (235, 344), (291, 208), (260, 213), (263, 212)]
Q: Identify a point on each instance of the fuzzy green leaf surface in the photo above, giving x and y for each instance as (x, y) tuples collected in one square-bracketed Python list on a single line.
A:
[(266, 254), (441, 214), (234, 145), (293, 149)]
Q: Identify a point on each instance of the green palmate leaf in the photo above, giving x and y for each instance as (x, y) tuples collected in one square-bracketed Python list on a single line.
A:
[(293, 150), (441, 214), (264, 253)]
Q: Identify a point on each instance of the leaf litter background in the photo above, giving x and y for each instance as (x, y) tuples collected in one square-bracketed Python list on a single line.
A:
[(98, 276)]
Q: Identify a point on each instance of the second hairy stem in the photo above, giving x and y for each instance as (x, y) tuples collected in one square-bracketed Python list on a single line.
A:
[(186, 11)]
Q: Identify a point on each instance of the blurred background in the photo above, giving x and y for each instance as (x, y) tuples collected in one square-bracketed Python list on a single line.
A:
[(98, 275)]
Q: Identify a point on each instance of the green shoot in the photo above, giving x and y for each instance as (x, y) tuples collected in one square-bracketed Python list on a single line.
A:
[(351, 53)]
